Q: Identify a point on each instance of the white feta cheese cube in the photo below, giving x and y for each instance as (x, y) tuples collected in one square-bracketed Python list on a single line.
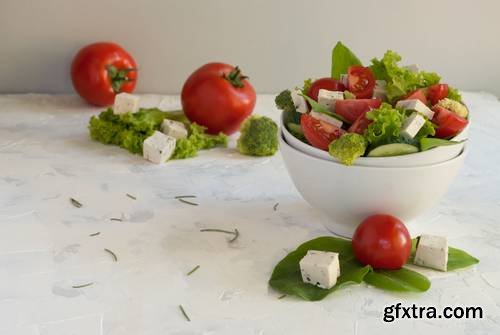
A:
[(417, 106), (125, 103), (173, 128), (320, 268), (412, 125), (432, 252), (327, 98), (344, 80), (326, 118), (412, 67), (158, 148), (380, 83), (299, 102)]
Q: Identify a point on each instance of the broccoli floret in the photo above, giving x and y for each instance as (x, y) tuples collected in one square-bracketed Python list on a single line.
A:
[(284, 102), (454, 106), (259, 136), (348, 147)]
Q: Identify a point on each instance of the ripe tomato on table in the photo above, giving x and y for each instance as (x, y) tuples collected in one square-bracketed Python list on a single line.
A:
[(319, 133), (219, 97), (101, 70), (326, 83), (361, 81), (382, 241)]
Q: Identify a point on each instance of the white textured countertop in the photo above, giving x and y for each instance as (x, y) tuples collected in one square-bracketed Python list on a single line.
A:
[(46, 157)]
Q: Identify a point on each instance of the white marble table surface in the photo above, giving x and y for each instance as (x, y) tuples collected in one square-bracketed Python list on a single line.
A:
[(46, 157)]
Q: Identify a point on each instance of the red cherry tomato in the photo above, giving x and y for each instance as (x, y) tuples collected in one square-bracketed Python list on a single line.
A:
[(218, 97), (320, 134), (101, 70), (359, 126), (360, 81), (437, 92), (419, 94), (327, 83), (351, 109), (449, 123), (382, 241)]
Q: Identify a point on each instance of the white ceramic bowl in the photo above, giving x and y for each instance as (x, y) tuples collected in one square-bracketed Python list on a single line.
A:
[(347, 194), (432, 156)]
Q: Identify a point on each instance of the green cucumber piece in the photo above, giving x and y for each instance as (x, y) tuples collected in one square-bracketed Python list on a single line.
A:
[(393, 149), (295, 130)]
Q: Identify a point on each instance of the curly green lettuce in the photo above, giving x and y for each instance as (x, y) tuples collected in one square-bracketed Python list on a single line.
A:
[(386, 125), (259, 136), (197, 140), (348, 148)]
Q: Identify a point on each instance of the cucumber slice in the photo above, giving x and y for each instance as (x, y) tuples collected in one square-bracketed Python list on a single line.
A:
[(394, 149), (295, 130)]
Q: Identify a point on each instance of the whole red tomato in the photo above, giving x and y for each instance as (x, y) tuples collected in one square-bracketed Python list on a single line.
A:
[(101, 70), (218, 97), (382, 241)]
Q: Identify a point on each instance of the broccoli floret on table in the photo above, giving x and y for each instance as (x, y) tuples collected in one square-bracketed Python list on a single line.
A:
[(259, 136)]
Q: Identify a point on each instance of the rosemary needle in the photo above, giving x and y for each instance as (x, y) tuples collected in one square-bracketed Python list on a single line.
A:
[(236, 233), (95, 234), (116, 219), (193, 270), (281, 296), (112, 254), (275, 207), (82, 285), (131, 196), (184, 313), (187, 202), (184, 196), (75, 203)]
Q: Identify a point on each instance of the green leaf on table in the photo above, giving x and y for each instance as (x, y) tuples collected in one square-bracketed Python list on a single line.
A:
[(319, 108), (427, 143), (286, 277), (402, 280), (342, 58)]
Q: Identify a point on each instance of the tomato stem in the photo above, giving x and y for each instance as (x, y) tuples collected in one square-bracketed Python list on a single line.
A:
[(119, 77), (235, 77)]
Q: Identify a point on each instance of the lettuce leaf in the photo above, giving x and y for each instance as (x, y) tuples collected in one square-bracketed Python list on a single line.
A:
[(453, 94), (342, 58), (386, 126)]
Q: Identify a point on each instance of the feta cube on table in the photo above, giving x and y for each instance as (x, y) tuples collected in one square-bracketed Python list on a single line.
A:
[(173, 128), (158, 148), (320, 268), (417, 106), (412, 125), (432, 252), (299, 102), (327, 98), (326, 118), (125, 103)]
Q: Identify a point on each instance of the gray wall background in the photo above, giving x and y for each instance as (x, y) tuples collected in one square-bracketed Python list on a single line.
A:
[(278, 43)]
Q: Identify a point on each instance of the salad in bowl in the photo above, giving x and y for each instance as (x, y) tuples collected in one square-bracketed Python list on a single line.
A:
[(380, 110)]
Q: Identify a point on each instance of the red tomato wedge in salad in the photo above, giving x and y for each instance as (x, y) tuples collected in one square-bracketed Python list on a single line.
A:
[(449, 123), (359, 126), (351, 109), (319, 133), (437, 92), (329, 84), (419, 94), (361, 81)]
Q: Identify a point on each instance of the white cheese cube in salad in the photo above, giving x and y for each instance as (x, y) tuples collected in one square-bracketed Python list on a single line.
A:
[(320, 268), (125, 103), (327, 98), (380, 90), (412, 125), (344, 80), (432, 252), (326, 118), (158, 148), (299, 102), (412, 67), (417, 106), (173, 128)]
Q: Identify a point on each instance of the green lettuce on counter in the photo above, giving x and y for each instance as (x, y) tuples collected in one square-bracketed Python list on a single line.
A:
[(130, 130)]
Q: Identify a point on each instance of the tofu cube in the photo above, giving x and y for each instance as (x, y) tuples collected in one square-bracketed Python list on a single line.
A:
[(173, 128), (320, 268), (158, 148), (412, 125), (432, 252), (417, 106), (344, 80), (326, 118), (125, 103), (327, 98), (412, 67), (299, 102)]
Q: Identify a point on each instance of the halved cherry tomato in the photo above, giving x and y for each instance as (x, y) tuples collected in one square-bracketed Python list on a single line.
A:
[(351, 109), (359, 126), (382, 241), (437, 92), (419, 94), (360, 81), (320, 134), (327, 83), (449, 123)]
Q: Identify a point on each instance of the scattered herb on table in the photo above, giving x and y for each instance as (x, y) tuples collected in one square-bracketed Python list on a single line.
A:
[(282, 296), (75, 203), (116, 219), (187, 202), (184, 313), (275, 207), (193, 270), (236, 232), (236, 235), (184, 196), (82, 285), (131, 196), (95, 234), (112, 254)]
